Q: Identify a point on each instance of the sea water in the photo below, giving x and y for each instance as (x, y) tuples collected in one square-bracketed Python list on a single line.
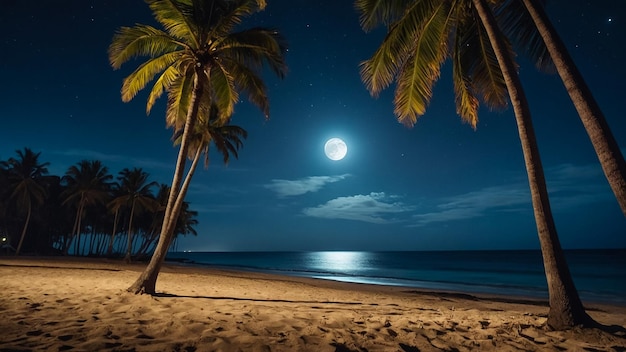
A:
[(599, 275)]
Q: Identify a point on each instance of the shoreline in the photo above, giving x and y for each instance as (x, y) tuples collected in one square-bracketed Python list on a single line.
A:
[(81, 303), (329, 277)]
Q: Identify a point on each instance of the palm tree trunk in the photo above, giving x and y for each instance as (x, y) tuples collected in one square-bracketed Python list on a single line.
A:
[(566, 309), (604, 143), (92, 239), (78, 233), (75, 226), (79, 217), (146, 283), (112, 239), (101, 239), (19, 246), (129, 248), (183, 190)]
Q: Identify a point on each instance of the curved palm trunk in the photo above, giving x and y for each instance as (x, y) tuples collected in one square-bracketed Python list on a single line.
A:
[(129, 247), (604, 143), (112, 239), (183, 190), (77, 223), (19, 246), (146, 283), (566, 309)]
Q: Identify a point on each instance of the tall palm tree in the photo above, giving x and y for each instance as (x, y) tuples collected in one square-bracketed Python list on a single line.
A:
[(589, 111), (26, 181), (199, 60), (418, 42), (87, 183), (135, 193)]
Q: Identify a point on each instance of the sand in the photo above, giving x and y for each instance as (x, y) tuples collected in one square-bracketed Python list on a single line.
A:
[(52, 304)]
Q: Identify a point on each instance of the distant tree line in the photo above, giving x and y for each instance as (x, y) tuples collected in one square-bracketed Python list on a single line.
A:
[(86, 212)]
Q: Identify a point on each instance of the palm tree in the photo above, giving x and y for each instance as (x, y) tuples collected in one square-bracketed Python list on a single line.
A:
[(591, 115), (186, 222), (226, 138), (412, 54), (26, 180), (200, 61), (87, 183), (115, 209), (161, 197), (135, 193)]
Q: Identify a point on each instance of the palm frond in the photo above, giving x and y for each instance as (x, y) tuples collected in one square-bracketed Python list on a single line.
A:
[(250, 83), (226, 15), (28, 192), (178, 95), (255, 47), (379, 71), (373, 13), (483, 66), (422, 69), (167, 78), (174, 15), (141, 40), (465, 100), (145, 73), (228, 140), (517, 24), (224, 94)]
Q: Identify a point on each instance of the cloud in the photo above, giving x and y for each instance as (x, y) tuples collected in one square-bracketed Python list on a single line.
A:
[(569, 172), (370, 208), (509, 198), (569, 186), (575, 185), (286, 188)]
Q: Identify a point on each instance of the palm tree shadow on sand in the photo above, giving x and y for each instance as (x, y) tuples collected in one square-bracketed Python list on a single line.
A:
[(615, 330), (224, 298)]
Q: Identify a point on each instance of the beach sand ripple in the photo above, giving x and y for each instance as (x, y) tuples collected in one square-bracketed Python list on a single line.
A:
[(51, 304)]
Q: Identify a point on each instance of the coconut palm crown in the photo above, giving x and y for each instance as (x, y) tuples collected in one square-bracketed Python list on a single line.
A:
[(198, 37), (422, 35), (199, 60)]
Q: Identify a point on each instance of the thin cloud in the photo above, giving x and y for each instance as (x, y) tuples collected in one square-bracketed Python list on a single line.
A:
[(569, 186), (372, 208), (570, 172), (287, 188), (511, 198)]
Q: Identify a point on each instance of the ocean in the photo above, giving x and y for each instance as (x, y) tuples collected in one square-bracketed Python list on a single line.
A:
[(599, 275)]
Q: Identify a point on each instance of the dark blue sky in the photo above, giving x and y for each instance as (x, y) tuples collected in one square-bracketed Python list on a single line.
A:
[(437, 186)]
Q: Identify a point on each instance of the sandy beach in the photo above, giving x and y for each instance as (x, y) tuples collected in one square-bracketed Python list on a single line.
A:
[(68, 304)]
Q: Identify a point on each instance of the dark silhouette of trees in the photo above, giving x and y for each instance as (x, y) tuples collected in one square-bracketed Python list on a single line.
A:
[(83, 210)]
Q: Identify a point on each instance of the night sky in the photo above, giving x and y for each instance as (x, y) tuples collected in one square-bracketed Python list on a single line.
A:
[(437, 186)]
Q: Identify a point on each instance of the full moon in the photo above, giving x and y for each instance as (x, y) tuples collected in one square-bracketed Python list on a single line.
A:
[(335, 149)]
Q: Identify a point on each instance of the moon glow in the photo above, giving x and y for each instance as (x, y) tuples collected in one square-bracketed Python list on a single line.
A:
[(335, 149)]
